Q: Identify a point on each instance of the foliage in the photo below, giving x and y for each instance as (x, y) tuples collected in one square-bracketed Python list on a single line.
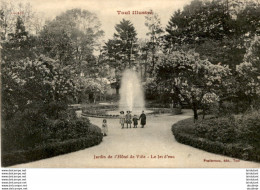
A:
[(91, 86), (33, 20), (217, 30), (20, 44), (249, 125), (120, 52), (144, 57), (30, 81), (248, 72), (24, 130), (197, 21), (229, 107), (31, 128), (191, 78), (150, 88), (221, 129), (236, 136), (122, 49), (235, 150), (54, 110), (50, 150), (153, 23), (71, 39)]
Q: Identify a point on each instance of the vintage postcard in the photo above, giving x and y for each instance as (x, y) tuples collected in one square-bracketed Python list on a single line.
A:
[(130, 84)]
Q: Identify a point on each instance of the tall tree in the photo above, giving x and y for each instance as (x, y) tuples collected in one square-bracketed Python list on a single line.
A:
[(2, 24), (215, 29), (126, 38), (121, 51), (153, 23), (143, 58), (20, 44), (72, 38)]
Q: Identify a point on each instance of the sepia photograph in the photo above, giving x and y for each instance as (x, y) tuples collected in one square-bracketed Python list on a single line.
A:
[(130, 83)]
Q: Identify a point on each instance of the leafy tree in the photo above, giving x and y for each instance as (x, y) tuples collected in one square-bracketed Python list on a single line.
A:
[(27, 82), (198, 22), (215, 29), (191, 78), (248, 21), (248, 74), (58, 46), (91, 87), (71, 38)]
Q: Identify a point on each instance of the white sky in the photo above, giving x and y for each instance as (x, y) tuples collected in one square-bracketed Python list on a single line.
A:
[(106, 11)]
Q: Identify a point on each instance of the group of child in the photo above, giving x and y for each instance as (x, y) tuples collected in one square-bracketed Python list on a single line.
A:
[(126, 119)]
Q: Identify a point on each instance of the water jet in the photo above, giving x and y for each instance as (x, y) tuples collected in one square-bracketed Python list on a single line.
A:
[(131, 93)]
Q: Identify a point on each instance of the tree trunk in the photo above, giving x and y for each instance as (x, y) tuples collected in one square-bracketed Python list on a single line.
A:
[(117, 81), (153, 62), (204, 112), (195, 111)]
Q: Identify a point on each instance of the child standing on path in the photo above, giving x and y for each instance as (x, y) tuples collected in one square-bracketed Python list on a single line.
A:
[(143, 119), (128, 119), (104, 127), (122, 119), (135, 121)]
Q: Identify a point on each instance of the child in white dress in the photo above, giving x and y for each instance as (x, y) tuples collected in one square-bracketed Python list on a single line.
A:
[(122, 119), (104, 127)]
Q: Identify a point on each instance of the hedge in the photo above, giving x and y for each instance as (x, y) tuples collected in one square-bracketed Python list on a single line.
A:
[(236, 150), (50, 150)]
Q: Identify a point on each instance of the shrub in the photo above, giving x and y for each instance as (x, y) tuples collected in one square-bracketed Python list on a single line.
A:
[(227, 108), (54, 109), (30, 128), (218, 129), (25, 130), (236, 150), (249, 125), (50, 150), (237, 136), (31, 137), (184, 126)]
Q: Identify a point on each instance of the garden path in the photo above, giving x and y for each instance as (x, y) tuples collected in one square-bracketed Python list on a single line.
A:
[(153, 140)]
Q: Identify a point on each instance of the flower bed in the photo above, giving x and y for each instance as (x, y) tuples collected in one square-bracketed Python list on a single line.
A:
[(102, 113), (99, 115), (174, 111)]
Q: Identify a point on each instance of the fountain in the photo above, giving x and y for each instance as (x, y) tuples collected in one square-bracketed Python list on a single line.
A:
[(131, 93), (131, 97)]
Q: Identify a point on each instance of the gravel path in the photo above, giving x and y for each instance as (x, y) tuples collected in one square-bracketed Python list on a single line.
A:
[(152, 146)]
